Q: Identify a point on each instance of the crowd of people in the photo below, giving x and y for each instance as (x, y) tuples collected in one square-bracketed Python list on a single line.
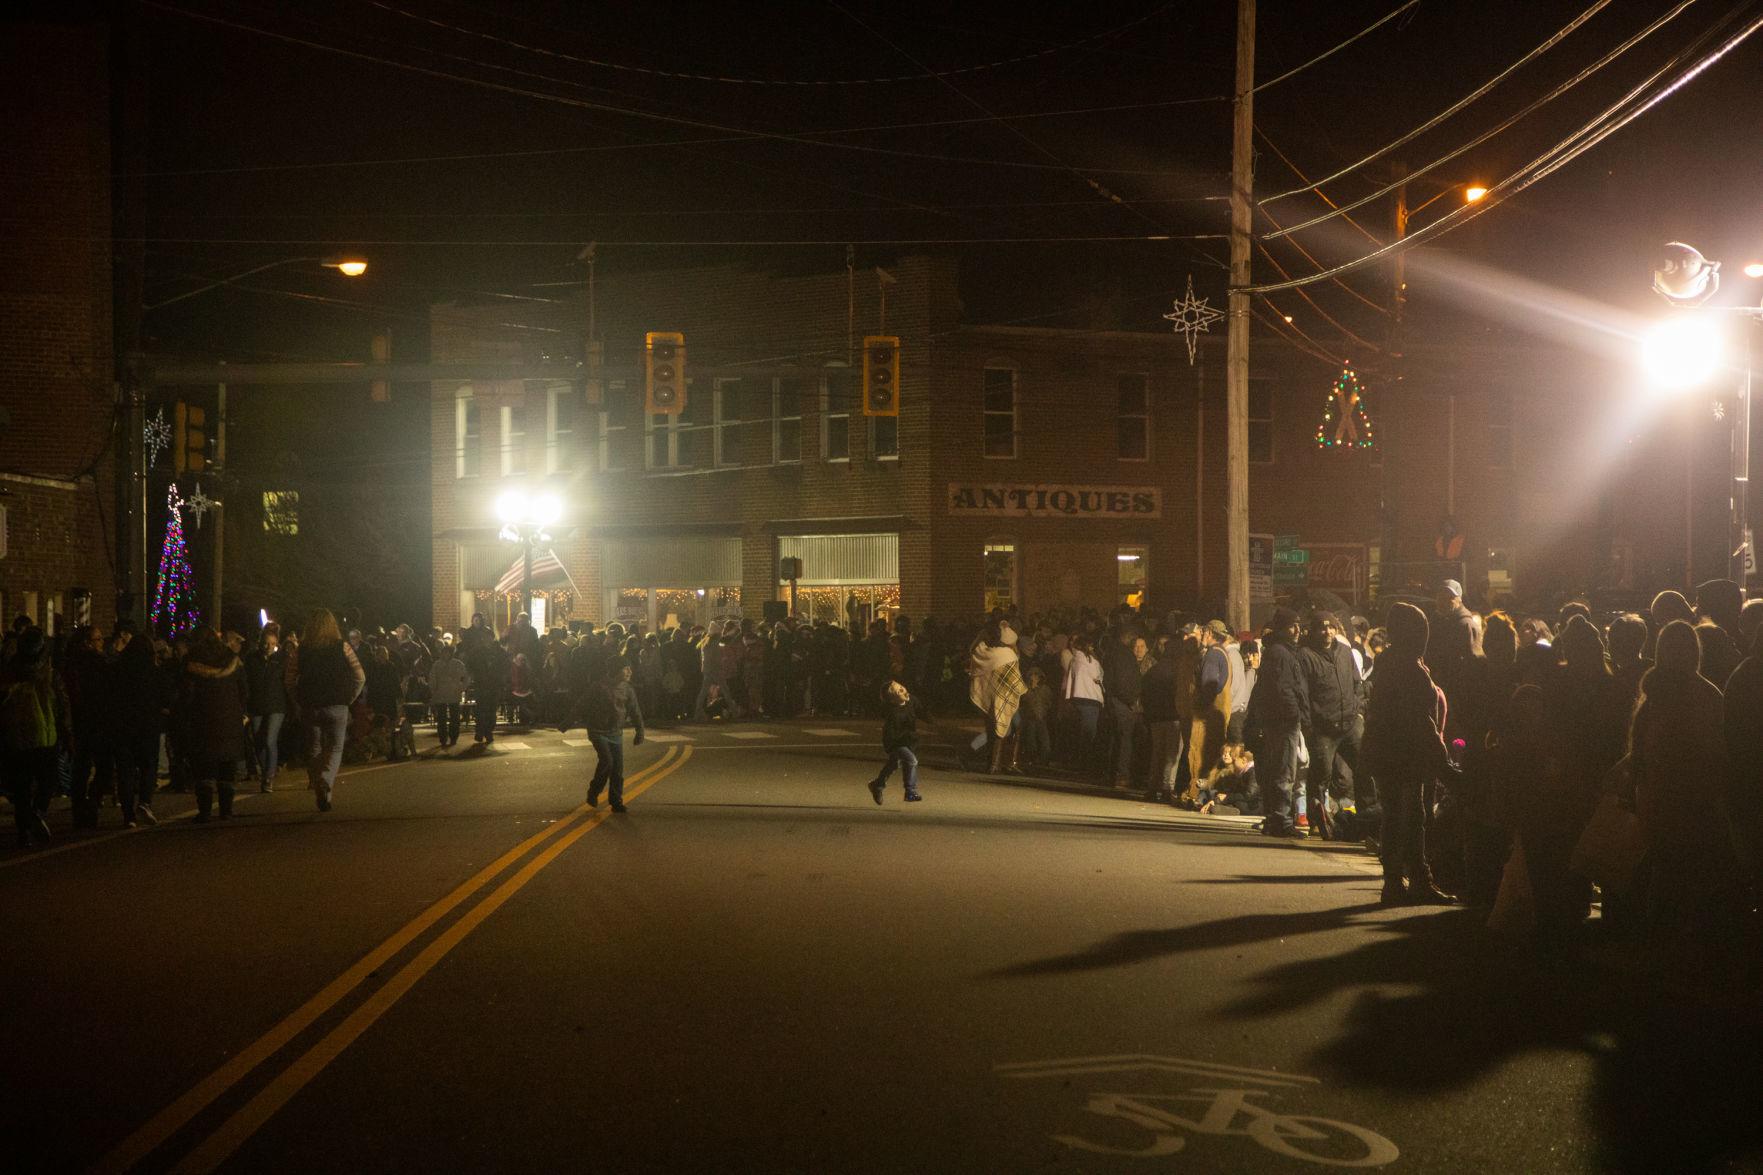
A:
[(1472, 752)]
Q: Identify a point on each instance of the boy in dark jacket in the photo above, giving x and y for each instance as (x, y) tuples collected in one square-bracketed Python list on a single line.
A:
[(900, 742), (605, 707)]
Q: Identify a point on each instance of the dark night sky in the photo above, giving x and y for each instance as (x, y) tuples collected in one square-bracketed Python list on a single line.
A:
[(226, 101)]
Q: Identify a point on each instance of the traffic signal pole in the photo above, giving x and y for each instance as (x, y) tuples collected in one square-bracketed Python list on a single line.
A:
[(214, 618), (1236, 368)]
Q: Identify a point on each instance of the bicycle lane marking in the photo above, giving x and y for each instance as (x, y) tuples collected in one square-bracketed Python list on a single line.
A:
[(204, 1093), (236, 1130), (1219, 1088), (243, 797)]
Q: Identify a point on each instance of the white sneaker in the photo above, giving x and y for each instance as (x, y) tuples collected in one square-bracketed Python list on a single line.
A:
[(144, 814)]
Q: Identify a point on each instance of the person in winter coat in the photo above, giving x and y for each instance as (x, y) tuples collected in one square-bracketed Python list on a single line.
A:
[(1677, 760), (325, 678), (488, 663), (266, 702), (1209, 719), (1331, 678), (143, 704), (447, 681), (212, 712), (86, 677), (1158, 700), (1278, 711), (1122, 684), (33, 725), (1405, 750), (899, 743), (606, 707)]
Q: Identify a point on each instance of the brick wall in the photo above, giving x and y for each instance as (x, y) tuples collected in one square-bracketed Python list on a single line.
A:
[(55, 313)]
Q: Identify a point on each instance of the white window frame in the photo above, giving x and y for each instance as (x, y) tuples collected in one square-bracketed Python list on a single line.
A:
[(1143, 416), (508, 448), (468, 453), (611, 392), (828, 415), (560, 442), (725, 427), (875, 423), (999, 544), (1014, 413), (779, 417), (674, 425)]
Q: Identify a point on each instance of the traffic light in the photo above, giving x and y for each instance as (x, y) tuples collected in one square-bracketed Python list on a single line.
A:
[(189, 439), (881, 375), (382, 353), (664, 372)]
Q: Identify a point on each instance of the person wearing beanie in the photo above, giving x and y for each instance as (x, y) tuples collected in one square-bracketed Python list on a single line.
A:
[(1279, 709), (1404, 749)]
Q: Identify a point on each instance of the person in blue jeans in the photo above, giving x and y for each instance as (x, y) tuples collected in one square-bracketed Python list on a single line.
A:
[(324, 676), (900, 742), (608, 704)]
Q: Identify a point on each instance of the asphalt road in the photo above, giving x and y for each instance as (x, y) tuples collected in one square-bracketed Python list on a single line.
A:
[(757, 969)]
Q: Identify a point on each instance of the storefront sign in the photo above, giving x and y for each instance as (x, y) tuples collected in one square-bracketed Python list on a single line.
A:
[(1289, 562), (1057, 501), (1342, 568)]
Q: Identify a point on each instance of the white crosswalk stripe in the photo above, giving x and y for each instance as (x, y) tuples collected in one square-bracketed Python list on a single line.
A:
[(749, 734)]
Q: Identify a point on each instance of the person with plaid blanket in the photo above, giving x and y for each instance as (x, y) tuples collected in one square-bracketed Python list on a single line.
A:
[(996, 687)]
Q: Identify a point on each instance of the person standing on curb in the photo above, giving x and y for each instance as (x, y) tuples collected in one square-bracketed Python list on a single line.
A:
[(267, 703), (447, 681), (143, 700), (899, 742), (33, 725), (214, 722), (324, 677), (1279, 709), (605, 708)]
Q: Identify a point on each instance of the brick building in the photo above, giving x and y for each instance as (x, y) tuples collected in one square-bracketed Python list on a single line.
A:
[(57, 490), (1044, 467)]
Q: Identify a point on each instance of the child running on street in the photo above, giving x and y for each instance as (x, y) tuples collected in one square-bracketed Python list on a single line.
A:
[(900, 742)]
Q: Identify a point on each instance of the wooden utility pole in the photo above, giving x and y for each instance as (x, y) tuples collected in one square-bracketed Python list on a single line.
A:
[(1236, 371)]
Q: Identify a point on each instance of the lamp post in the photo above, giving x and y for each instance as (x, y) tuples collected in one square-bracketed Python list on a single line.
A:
[(348, 266), (527, 519)]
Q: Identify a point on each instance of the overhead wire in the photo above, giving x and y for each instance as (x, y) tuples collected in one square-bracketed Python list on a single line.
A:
[(926, 75), (1324, 56), (1320, 194), (1499, 127), (1455, 108), (1606, 123)]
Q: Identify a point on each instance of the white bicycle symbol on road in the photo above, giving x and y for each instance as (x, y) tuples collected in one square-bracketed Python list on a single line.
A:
[(1229, 1112)]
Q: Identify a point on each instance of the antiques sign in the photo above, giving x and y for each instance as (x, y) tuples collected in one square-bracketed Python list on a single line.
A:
[(1057, 501)]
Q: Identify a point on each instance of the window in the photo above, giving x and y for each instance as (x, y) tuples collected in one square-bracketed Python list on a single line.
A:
[(1261, 422), (281, 512), (1134, 566), (837, 394), (561, 402), (884, 438), (467, 435), (728, 411), (513, 439), (1000, 412), (786, 421), (618, 412), (1500, 432), (1134, 395), (1000, 574), (677, 441)]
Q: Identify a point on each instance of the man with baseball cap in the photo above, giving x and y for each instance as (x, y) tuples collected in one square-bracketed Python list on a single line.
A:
[(1278, 711)]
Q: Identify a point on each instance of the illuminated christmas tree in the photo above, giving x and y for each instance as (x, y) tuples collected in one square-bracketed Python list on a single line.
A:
[(174, 599), (1345, 424)]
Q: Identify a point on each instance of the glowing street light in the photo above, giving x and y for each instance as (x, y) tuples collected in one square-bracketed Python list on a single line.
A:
[(527, 519), (1682, 352), (1754, 269), (1473, 193)]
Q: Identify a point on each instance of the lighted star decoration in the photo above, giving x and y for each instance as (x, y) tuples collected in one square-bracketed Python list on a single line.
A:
[(198, 504), (156, 436), (1193, 317)]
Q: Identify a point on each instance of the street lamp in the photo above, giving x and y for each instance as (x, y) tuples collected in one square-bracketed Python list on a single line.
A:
[(527, 519), (1681, 353), (348, 265)]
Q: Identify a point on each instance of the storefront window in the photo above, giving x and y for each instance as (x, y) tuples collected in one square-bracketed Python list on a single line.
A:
[(1134, 564), (1000, 575), (838, 605)]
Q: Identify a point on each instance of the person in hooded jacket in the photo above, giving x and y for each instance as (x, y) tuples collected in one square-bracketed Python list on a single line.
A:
[(1331, 678), (1404, 748), (448, 678), (212, 710), (1278, 711)]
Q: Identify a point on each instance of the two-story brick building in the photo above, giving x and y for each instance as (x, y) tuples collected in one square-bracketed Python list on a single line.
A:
[(1039, 466)]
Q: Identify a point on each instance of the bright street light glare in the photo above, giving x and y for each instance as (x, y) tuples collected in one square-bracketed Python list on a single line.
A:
[(1474, 192), (1754, 269), (1681, 352), (547, 509), (513, 506), (352, 268)]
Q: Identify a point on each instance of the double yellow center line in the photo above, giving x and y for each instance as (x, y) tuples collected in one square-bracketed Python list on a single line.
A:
[(244, 1122)]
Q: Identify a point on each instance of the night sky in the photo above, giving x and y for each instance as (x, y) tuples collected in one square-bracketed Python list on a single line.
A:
[(262, 146)]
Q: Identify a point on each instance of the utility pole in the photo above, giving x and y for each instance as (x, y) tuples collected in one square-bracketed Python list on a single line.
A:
[(1236, 370), (1398, 304), (219, 471)]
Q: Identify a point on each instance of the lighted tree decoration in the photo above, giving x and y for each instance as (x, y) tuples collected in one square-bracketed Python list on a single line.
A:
[(1345, 424), (174, 598)]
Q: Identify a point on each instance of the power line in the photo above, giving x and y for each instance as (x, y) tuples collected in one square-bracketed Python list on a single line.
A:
[(1559, 90), (927, 75), (576, 242), (1562, 153), (625, 213), (737, 134), (1321, 57), (1460, 105)]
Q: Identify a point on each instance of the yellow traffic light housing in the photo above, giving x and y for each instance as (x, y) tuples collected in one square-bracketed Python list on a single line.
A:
[(189, 439), (881, 375), (664, 372)]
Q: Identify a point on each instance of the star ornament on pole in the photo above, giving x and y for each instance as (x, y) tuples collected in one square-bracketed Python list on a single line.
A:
[(155, 437), (1192, 317), (198, 504)]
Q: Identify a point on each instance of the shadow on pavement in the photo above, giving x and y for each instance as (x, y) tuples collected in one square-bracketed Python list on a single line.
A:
[(1675, 1081), (1280, 879)]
